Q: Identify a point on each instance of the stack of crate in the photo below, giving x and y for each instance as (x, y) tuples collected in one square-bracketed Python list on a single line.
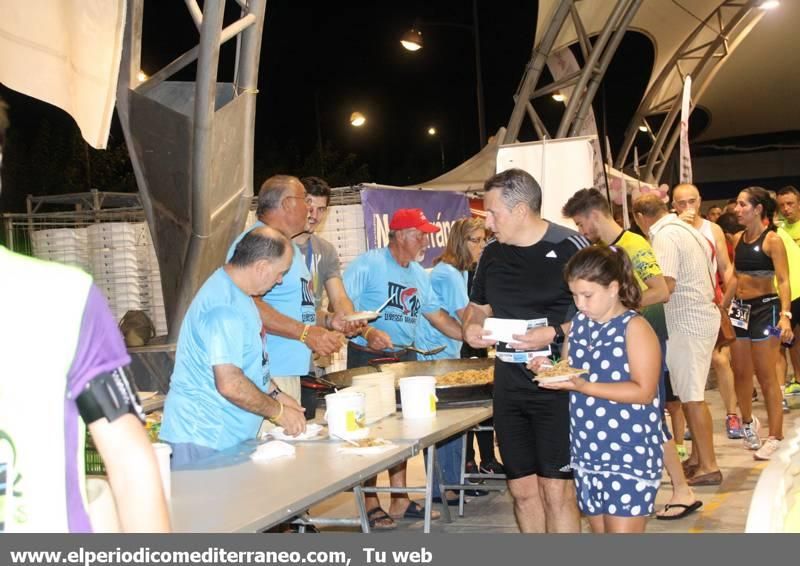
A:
[(114, 263), (150, 275), (344, 228), (64, 245)]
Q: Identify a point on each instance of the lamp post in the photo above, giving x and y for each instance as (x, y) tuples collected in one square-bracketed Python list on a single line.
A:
[(412, 41), (432, 132)]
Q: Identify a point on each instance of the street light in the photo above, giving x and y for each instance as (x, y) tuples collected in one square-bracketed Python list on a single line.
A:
[(357, 119), (412, 40), (769, 4), (558, 97), (432, 132)]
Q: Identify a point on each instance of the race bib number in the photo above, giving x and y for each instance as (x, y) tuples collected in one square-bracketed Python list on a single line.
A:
[(739, 313), (511, 356)]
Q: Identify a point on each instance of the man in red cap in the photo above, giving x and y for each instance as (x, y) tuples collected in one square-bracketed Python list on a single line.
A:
[(392, 277)]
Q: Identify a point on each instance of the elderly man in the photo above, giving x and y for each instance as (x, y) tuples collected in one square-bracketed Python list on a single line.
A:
[(519, 277), (590, 211), (392, 277), (685, 257), (220, 390), (289, 313), (686, 201), (78, 379)]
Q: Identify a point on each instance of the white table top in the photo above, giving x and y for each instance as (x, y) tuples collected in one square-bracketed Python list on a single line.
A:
[(246, 496)]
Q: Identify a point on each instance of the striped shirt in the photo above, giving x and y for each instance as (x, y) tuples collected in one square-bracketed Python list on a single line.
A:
[(685, 256)]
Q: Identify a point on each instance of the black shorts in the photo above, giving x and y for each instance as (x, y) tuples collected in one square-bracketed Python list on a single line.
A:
[(532, 428), (764, 312)]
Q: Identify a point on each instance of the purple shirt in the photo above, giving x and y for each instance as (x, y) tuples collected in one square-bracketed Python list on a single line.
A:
[(100, 350)]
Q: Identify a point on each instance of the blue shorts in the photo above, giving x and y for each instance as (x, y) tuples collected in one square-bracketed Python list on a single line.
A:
[(606, 493)]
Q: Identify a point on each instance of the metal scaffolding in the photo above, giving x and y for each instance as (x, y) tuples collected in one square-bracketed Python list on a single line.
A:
[(191, 144)]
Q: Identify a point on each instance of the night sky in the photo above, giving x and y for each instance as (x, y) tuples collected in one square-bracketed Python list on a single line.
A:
[(347, 56)]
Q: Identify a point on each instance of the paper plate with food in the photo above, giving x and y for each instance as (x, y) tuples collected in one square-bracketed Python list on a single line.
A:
[(313, 431), (557, 372), (361, 315)]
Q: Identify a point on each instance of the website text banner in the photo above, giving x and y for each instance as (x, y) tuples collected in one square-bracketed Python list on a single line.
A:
[(392, 549), (442, 208)]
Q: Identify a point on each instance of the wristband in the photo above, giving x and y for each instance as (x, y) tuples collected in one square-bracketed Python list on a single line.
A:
[(304, 334), (787, 314), (274, 420)]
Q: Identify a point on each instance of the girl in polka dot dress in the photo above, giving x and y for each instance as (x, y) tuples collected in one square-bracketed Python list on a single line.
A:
[(615, 422)]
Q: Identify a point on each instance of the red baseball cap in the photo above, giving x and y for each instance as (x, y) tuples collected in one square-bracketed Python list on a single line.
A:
[(411, 218)]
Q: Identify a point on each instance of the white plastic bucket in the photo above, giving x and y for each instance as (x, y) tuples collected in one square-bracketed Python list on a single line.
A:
[(345, 413), (418, 397)]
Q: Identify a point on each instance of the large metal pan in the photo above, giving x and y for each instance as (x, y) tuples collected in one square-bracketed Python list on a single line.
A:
[(445, 393)]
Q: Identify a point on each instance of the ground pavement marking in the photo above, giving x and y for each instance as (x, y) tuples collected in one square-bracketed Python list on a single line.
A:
[(717, 500)]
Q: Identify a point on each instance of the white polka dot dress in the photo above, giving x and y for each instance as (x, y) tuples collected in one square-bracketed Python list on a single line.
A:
[(606, 436)]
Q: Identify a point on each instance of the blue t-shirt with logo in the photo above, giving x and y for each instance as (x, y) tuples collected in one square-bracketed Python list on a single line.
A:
[(294, 297), (222, 326), (448, 293), (374, 277)]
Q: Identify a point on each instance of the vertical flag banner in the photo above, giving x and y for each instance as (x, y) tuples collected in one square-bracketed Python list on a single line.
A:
[(442, 208), (686, 110)]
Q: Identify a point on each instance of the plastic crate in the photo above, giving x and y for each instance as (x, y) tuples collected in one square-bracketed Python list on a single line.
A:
[(94, 464)]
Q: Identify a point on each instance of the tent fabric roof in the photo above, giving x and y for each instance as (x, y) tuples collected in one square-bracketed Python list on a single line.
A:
[(764, 57)]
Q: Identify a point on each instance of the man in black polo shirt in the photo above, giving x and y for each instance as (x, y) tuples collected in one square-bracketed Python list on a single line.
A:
[(519, 276)]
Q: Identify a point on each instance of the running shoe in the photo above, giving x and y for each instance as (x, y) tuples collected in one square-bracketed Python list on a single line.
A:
[(793, 388), (750, 432), (733, 425), (472, 468), (491, 467), (785, 405), (770, 446)]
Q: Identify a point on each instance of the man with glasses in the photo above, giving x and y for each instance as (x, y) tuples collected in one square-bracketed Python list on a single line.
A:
[(288, 311)]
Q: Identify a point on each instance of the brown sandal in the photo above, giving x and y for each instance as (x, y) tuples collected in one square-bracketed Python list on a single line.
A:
[(379, 520)]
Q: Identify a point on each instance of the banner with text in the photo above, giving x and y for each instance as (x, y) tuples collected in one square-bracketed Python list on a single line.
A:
[(442, 208)]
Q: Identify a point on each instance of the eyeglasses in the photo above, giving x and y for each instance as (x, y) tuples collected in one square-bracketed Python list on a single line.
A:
[(477, 240)]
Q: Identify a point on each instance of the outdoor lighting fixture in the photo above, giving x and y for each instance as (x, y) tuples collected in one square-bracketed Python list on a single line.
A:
[(769, 4), (431, 131), (642, 128), (357, 119), (558, 97), (412, 40), (142, 76)]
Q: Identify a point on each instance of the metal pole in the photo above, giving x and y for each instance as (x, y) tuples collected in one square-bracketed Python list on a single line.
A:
[(534, 70), (478, 79), (441, 148), (588, 67)]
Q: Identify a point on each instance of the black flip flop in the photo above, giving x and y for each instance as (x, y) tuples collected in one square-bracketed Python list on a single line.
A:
[(687, 510)]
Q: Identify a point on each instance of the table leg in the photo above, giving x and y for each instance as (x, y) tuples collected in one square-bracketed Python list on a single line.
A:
[(358, 493)]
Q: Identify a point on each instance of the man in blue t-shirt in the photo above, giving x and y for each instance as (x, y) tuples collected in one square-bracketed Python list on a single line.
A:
[(220, 390), (392, 274), (288, 312)]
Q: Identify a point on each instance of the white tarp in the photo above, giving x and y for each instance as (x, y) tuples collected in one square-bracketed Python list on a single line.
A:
[(67, 53), (562, 167)]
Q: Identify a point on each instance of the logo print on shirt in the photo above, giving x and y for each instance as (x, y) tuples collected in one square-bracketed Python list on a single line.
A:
[(551, 253), (308, 293), (404, 298)]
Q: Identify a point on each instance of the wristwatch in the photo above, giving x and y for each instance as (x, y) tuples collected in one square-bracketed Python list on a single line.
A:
[(275, 392), (787, 314), (559, 337)]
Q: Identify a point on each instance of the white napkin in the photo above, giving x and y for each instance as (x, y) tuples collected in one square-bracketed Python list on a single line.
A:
[(272, 450)]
